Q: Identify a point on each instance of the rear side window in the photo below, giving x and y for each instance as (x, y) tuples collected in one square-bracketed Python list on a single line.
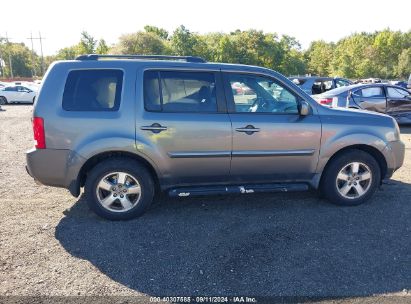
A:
[(93, 90), (176, 91), (371, 92)]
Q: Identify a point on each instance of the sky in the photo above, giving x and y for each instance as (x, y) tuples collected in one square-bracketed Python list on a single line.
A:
[(61, 24)]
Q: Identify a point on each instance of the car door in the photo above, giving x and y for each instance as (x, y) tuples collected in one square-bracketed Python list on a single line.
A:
[(186, 125), (371, 98), (21, 94), (24, 94), (271, 141), (398, 101), (11, 94)]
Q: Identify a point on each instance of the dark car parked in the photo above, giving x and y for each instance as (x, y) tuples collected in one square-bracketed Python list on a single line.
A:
[(379, 97), (314, 85)]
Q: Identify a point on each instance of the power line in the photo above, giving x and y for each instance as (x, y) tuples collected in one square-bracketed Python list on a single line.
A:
[(40, 38), (33, 73)]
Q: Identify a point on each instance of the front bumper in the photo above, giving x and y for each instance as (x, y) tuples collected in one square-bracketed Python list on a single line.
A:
[(394, 153)]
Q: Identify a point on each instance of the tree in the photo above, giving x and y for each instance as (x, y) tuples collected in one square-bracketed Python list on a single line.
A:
[(183, 42), (87, 44), (162, 33), (67, 53), (140, 43), (102, 47), (319, 57), (388, 46), (404, 64), (24, 62)]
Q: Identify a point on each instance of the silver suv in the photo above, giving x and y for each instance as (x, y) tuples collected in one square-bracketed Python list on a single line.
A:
[(125, 127)]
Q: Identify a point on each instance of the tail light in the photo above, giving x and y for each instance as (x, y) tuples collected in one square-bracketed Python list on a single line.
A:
[(325, 101), (39, 135)]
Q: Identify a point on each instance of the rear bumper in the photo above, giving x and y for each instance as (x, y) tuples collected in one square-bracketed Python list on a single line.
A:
[(394, 153), (57, 168)]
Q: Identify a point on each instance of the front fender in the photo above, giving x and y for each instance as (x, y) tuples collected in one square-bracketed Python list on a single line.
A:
[(333, 144)]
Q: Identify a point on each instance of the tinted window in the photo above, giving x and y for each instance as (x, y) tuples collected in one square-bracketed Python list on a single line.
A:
[(22, 89), (298, 81), (10, 89), (261, 95), (93, 90), (397, 93), (321, 86), (174, 91)]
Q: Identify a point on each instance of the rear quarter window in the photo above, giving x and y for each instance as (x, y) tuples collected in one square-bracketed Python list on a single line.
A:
[(93, 90)]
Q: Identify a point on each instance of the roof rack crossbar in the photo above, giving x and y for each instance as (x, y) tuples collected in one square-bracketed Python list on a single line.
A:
[(156, 57)]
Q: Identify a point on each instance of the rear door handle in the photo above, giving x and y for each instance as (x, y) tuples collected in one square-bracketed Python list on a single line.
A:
[(250, 129), (155, 128)]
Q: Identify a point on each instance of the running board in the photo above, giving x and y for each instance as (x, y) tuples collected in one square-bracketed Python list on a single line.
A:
[(241, 189)]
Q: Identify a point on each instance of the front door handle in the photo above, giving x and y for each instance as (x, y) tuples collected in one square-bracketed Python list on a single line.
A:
[(155, 128), (250, 129)]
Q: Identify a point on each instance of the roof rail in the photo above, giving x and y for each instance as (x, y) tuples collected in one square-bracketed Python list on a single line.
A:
[(156, 57)]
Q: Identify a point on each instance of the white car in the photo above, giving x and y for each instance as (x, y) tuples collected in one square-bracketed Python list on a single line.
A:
[(17, 94)]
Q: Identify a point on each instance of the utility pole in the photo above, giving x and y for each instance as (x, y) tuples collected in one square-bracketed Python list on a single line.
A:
[(42, 57), (1, 60), (41, 50), (33, 72)]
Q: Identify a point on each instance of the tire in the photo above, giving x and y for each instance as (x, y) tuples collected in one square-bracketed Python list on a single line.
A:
[(3, 100), (340, 177), (107, 203)]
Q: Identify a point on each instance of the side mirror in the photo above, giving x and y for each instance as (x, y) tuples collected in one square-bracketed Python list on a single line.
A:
[(304, 108)]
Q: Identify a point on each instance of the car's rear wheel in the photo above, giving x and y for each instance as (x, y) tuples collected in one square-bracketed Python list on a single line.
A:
[(119, 189), (351, 178), (3, 100)]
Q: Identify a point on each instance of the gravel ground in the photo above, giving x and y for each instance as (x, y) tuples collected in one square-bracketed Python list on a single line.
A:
[(282, 245)]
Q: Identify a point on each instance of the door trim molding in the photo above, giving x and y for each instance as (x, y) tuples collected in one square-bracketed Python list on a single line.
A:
[(199, 154), (262, 153)]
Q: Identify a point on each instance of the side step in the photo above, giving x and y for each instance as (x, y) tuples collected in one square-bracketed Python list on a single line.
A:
[(240, 189)]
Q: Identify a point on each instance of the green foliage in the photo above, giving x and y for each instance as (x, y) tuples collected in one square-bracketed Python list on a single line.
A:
[(319, 56), (145, 43), (384, 54), (24, 63), (102, 47), (67, 53), (162, 33), (87, 44), (404, 64)]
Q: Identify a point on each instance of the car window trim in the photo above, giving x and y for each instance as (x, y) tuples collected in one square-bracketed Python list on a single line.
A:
[(384, 95), (231, 103), (398, 89), (220, 99), (96, 69)]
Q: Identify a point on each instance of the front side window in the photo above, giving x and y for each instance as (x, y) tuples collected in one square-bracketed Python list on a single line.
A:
[(397, 93), (93, 90), (178, 91), (256, 94)]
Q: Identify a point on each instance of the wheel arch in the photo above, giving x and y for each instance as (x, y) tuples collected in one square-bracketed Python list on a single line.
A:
[(374, 152), (98, 158)]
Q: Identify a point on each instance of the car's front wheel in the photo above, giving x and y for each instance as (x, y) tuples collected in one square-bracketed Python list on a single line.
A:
[(119, 189), (351, 178)]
